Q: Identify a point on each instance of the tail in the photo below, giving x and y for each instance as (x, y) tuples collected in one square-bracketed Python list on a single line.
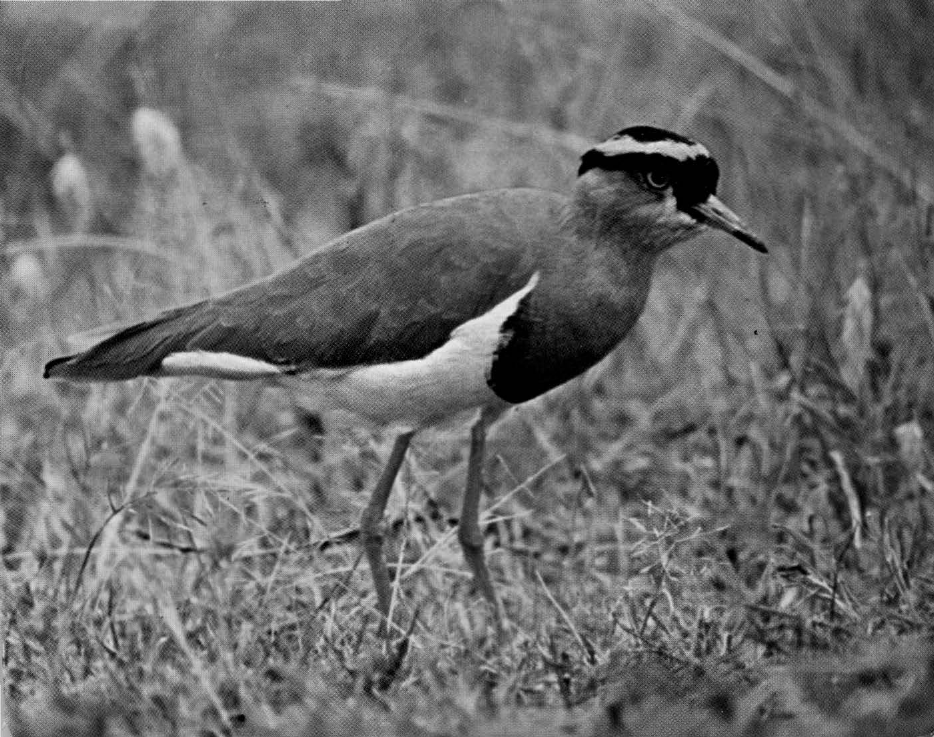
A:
[(221, 339), (137, 350)]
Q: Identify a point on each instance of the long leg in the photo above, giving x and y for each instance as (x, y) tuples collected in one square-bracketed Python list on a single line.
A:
[(371, 526), (469, 532)]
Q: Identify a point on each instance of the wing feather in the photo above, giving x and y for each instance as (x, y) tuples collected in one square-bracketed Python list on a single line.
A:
[(393, 290)]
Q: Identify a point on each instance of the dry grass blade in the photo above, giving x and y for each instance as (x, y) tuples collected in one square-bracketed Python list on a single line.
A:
[(374, 95), (857, 334), (85, 242), (564, 615), (170, 617), (845, 129), (924, 302), (852, 498)]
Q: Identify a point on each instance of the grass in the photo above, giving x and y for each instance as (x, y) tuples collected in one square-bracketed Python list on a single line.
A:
[(747, 479)]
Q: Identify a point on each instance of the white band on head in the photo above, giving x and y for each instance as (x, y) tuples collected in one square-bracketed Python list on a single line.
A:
[(675, 149)]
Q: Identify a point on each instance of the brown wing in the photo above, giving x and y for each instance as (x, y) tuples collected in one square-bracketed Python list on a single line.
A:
[(392, 290)]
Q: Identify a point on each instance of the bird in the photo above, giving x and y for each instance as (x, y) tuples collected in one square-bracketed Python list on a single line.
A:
[(475, 303)]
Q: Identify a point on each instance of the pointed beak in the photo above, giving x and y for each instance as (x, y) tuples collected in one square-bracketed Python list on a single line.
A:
[(714, 213)]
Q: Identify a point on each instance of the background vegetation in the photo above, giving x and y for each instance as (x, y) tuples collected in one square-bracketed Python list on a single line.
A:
[(750, 475)]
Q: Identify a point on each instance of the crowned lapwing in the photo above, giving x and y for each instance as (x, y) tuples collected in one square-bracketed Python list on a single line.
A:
[(477, 302)]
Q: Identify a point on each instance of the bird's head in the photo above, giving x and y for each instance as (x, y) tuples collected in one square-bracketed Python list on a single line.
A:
[(656, 187)]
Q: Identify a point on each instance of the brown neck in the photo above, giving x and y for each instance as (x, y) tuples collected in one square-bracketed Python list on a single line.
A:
[(588, 298)]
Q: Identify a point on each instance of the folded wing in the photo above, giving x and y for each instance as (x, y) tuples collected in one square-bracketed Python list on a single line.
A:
[(393, 290)]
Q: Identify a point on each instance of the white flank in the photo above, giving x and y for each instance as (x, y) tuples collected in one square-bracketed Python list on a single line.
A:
[(450, 379), (217, 365), (674, 149)]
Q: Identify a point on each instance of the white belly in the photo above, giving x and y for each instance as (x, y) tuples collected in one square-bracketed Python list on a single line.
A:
[(410, 394), (420, 392)]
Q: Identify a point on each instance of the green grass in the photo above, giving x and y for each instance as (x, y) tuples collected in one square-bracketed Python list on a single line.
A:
[(744, 479)]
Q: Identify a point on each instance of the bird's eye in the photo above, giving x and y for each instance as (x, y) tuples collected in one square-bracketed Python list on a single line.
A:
[(656, 180)]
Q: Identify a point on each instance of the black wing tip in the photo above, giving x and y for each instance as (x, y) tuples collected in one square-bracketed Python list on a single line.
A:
[(51, 368), (753, 241)]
